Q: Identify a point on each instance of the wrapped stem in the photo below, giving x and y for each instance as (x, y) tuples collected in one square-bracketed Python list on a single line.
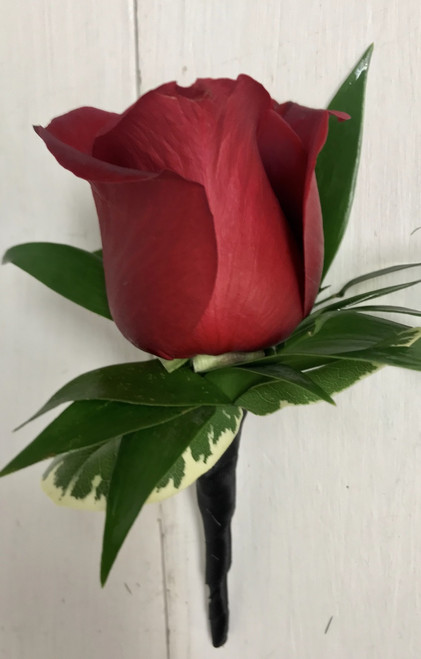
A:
[(216, 494)]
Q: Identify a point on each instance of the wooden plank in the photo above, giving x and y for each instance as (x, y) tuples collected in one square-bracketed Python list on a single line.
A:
[(56, 56), (328, 513)]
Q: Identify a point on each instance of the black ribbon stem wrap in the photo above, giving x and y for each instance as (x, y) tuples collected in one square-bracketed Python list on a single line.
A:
[(216, 494)]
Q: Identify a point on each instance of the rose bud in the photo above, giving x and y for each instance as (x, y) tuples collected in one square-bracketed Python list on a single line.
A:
[(209, 213)]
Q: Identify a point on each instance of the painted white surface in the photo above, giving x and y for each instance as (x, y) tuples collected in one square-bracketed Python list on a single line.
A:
[(328, 521)]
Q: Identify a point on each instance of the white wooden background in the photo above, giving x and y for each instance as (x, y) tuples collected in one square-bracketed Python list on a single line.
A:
[(328, 523)]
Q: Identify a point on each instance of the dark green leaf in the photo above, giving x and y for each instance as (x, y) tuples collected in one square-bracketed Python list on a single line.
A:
[(343, 331), (143, 460), (140, 383), (233, 381), (87, 423), (290, 376), (337, 165), (384, 308), (72, 272), (373, 275), (334, 377), (341, 374), (361, 297), (408, 356)]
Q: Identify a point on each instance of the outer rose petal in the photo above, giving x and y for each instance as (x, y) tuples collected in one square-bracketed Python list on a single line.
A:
[(311, 126), (70, 139), (80, 127), (158, 238), (160, 260)]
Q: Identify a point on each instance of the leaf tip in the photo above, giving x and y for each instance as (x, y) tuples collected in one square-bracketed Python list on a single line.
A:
[(6, 257), (364, 62), (104, 572)]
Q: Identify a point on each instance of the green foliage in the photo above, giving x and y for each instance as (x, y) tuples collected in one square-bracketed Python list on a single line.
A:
[(337, 165), (88, 423), (72, 272), (140, 383), (142, 462)]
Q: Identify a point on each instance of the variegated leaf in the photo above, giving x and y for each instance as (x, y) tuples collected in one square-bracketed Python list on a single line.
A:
[(80, 479)]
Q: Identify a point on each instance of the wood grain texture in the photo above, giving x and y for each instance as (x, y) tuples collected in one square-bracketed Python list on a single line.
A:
[(56, 56), (328, 518)]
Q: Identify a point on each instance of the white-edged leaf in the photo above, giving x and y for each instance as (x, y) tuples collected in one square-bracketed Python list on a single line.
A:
[(332, 378), (80, 479)]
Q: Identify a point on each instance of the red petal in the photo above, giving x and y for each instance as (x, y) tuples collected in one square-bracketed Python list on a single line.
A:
[(256, 301), (70, 138), (80, 127), (170, 128), (160, 260), (311, 126)]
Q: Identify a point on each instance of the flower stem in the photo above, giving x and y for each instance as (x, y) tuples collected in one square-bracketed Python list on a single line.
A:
[(216, 499)]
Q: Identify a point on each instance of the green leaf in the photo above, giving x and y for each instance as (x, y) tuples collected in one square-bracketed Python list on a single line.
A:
[(342, 331), (399, 348), (203, 452), (233, 381), (337, 165), (143, 460), (406, 354), (80, 479), (361, 297), (370, 275), (140, 383), (87, 423), (385, 308), (287, 375), (341, 374), (72, 272), (332, 378), (329, 334)]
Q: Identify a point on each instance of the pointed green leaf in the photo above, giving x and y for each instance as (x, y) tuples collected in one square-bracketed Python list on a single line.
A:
[(361, 297), (143, 460), (341, 374), (365, 338), (342, 331), (86, 423), (337, 165), (371, 275), (80, 479), (69, 271), (287, 375), (140, 383), (405, 354), (385, 308), (266, 398)]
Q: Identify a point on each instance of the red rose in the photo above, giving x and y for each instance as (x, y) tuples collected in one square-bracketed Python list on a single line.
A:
[(209, 213)]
